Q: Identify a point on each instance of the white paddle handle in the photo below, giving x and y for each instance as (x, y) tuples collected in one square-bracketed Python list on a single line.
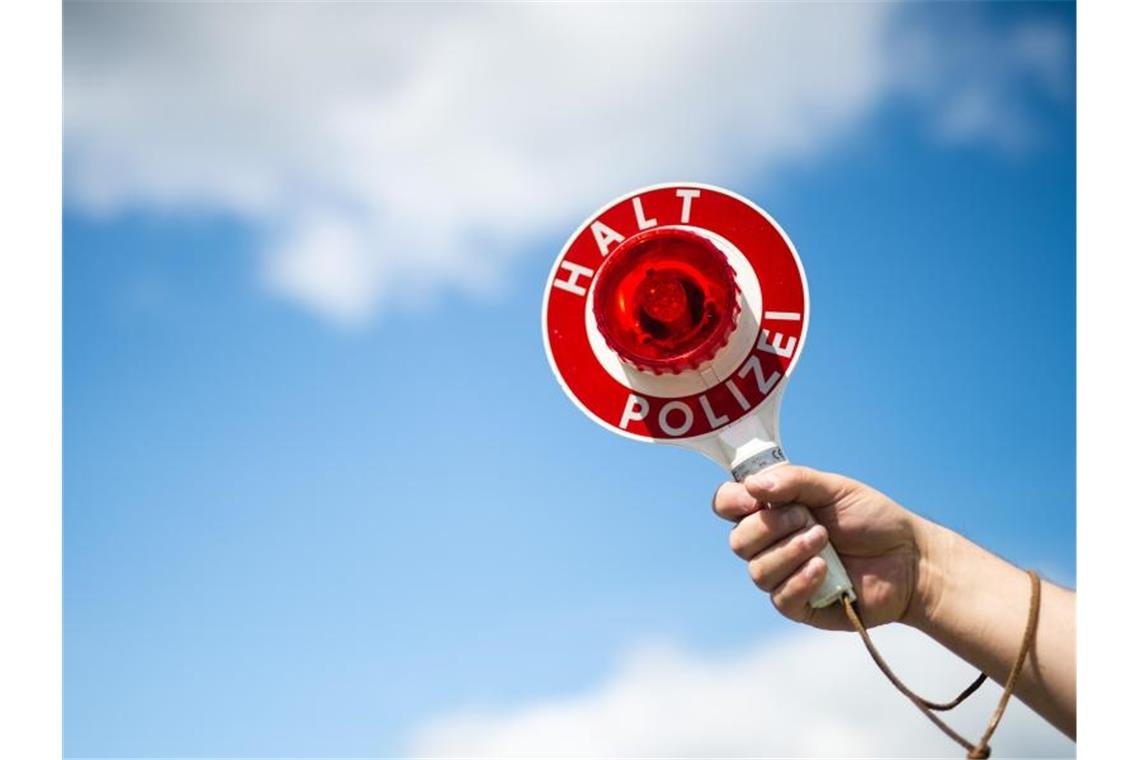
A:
[(836, 585)]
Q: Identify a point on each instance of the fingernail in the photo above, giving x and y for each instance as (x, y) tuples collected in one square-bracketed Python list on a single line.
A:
[(817, 534)]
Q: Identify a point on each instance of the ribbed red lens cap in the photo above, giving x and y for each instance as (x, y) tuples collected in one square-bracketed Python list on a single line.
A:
[(666, 300)]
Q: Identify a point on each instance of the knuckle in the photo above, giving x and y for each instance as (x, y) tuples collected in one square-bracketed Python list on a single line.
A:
[(783, 606), (801, 543), (808, 541), (802, 582), (720, 499), (759, 575), (736, 540), (731, 502), (791, 598), (750, 529), (796, 476)]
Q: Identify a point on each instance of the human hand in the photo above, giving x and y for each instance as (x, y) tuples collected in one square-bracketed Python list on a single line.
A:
[(878, 540)]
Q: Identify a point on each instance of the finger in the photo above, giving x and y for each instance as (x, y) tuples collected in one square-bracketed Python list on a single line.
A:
[(769, 569), (733, 502), (803, 485), (759, 530), (793, 597)]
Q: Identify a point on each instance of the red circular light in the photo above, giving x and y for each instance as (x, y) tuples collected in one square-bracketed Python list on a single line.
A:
[(666, 300)]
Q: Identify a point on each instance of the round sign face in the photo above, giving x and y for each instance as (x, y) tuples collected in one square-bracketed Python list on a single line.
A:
[(747, 372)]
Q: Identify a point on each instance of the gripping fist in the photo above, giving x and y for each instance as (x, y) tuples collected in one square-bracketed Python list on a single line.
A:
[(878, 541)]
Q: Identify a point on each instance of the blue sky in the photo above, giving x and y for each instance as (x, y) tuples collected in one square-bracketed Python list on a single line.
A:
[(303, 526)]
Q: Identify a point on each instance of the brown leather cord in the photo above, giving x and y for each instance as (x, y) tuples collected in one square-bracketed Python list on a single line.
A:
[(944, 706), (980, 750), (1026, 643)]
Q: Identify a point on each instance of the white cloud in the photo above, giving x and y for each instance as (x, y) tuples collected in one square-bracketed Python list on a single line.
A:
[(813, 694), (390, 151)]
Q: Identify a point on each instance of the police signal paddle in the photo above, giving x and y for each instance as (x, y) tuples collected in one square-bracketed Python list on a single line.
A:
[(675, 314)]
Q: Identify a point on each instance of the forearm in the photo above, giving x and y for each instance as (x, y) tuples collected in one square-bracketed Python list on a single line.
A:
[(976, 604)]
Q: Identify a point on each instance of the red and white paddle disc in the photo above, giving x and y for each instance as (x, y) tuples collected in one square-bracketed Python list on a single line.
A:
[(675, 311)]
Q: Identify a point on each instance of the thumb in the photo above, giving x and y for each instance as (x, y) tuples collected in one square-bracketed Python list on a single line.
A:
[(791, 483)]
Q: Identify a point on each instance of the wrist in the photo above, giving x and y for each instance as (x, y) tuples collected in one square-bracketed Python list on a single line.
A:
[(935, 547)]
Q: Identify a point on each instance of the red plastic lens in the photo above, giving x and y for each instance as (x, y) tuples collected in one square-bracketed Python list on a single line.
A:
[(666, 300)]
